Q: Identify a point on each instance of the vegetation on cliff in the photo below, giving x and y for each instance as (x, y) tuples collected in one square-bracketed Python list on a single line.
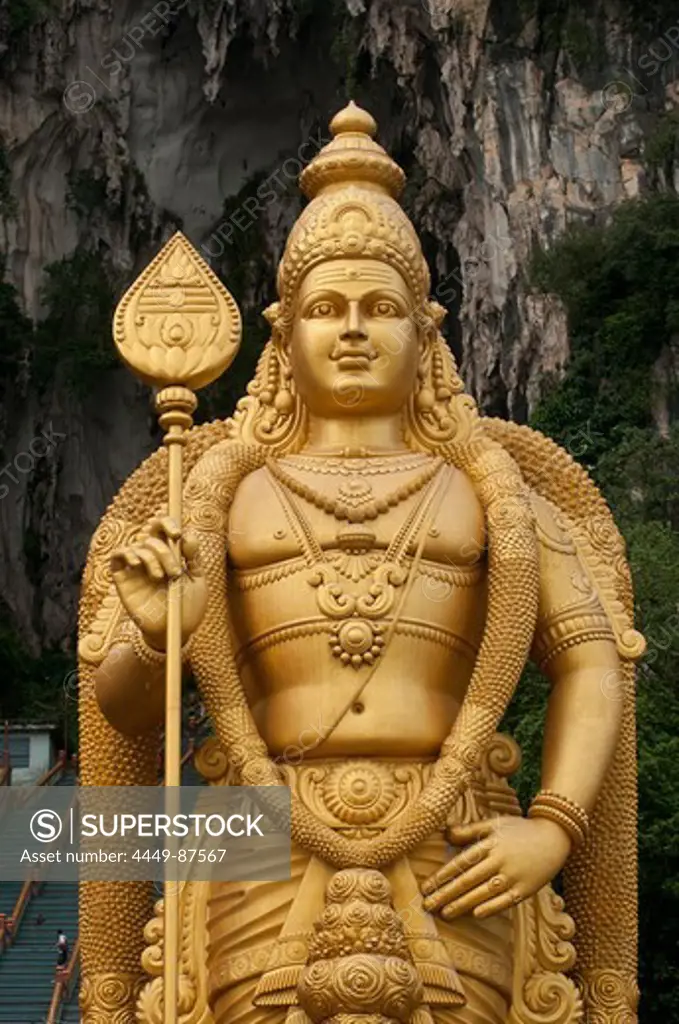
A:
[(621, 292)]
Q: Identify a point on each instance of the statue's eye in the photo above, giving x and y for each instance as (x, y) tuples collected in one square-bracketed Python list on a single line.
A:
[(385, 308), (321, 309)]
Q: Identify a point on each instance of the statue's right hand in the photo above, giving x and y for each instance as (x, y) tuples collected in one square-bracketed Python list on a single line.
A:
[(141, 573)]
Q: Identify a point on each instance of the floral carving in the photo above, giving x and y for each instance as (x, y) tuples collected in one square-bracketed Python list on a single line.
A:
[(359, 794)]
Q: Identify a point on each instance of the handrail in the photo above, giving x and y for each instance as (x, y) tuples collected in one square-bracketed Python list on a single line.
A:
[(30, 888), (44, 780), (57, 768), (62, 980)]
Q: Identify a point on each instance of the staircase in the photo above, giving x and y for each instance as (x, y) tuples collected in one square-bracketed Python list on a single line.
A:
[(27, 967), (9, 894), (69, 1011), (10, 891)]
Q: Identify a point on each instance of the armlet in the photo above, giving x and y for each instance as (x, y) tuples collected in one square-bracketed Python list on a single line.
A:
[(576, 623)]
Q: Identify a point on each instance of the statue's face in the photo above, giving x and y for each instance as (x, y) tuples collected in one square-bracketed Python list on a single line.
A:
[(353, 346)]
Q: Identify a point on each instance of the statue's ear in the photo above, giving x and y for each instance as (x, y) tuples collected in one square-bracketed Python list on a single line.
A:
[(279, 335), (429, 322), (272, 313)]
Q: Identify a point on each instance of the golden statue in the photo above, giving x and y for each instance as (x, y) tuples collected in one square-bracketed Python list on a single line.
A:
[(368, 564)]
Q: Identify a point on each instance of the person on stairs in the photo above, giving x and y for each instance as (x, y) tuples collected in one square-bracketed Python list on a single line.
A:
[(62, 948)]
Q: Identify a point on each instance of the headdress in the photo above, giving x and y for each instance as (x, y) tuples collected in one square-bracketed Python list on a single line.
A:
[(353, 186)]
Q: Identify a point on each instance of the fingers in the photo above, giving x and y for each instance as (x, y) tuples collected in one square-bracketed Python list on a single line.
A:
[(165, 556), (498, 904), (151, 563), (458, 865), (191, 553), (164, 528), (122, 559), (159, 555), (483, 893), (460, 835), (466, 881), (137, 558)]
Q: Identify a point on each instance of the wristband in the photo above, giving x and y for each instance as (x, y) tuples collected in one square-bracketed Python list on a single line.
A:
[(571, 816)]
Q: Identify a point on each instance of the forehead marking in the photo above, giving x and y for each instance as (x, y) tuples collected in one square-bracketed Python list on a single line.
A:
[(378, 274)]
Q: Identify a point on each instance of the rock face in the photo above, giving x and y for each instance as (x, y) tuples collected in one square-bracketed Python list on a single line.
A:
[(120, 122)]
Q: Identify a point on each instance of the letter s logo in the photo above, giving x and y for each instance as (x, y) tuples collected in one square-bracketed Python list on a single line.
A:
[(46, 826)]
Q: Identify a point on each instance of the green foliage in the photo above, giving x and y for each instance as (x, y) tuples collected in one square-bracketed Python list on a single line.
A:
[(304, 8), (654, 557), (16, 330), (524, 719), (639, 477), (578, 38), (662, 147), (74, 335), (569, 27), (86, 192), (141, 224), (76, 331), (578, 26), (619, 288), (88, 195), (621, 292), (23, 14), (331, 18), (346, 46), (7, 200)]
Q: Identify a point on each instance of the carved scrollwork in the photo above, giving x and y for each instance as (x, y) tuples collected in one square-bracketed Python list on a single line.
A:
[(107, 998), (541, 994), (611, 996), (502, 757), (555, 929), (211, 761), (192, 1004)]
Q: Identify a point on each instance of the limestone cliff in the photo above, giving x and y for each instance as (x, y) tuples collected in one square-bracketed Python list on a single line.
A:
[(120, 122)]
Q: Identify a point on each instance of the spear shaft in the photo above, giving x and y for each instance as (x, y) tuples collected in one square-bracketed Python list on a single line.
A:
[(176, 406), (177, 328)]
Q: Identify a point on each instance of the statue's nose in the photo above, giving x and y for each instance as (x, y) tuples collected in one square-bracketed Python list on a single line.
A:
[(353, 326)]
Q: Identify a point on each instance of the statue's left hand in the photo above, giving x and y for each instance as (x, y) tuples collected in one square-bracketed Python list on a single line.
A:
[(505, 860)]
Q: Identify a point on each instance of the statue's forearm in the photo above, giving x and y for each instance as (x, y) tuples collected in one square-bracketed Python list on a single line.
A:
[(583, 721), (130, 693)]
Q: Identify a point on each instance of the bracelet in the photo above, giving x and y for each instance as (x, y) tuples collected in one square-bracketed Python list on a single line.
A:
[(571, 816), (551, 799), (146, 654), (131, 634)]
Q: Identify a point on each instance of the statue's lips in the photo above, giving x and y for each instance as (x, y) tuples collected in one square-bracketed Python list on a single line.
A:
[(348, 363)]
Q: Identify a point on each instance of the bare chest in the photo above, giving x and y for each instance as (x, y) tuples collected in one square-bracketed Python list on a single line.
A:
[(276, 518)]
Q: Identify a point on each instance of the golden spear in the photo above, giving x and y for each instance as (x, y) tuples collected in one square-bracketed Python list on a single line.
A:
[(177, 328)]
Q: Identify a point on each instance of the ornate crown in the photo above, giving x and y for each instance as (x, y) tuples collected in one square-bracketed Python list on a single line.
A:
[(353, 184)]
